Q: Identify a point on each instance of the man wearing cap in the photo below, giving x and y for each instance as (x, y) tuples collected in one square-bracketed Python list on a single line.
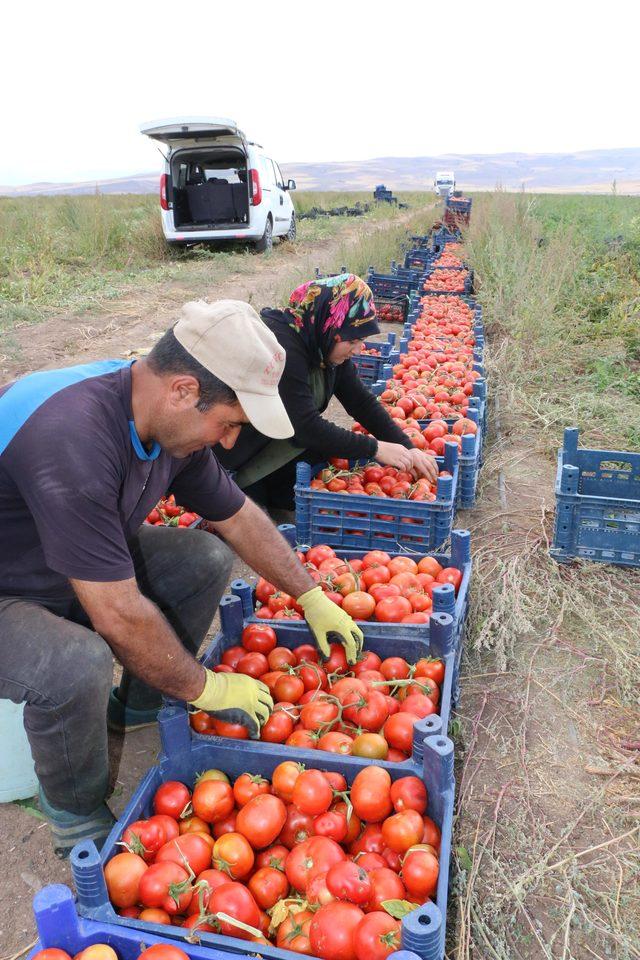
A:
[(85, 454)]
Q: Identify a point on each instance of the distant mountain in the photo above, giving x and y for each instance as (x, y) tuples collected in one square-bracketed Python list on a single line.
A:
[(588, 171)]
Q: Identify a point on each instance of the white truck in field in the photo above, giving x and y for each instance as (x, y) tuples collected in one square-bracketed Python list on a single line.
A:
[(444, 183)]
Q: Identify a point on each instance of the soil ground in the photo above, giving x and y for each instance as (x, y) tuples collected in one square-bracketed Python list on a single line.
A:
[(528, 740)]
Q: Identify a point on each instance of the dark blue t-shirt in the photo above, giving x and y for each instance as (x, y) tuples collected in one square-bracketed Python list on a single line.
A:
[(76, 483)]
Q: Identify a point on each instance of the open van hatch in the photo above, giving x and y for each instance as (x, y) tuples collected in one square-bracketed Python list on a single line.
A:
[(191, 128), (210, 188)]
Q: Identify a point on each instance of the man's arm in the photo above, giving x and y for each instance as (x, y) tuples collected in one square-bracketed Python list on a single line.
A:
[(255, 538), (258, 542), (141, 638)]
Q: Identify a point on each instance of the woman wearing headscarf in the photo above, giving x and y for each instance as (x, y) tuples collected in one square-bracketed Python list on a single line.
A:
[(323, 326)]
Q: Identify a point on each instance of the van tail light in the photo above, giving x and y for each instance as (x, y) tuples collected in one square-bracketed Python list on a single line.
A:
[(163, 192), (256, 189)]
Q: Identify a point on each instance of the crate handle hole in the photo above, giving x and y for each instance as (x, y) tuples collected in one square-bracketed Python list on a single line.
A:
[(442, 743), (424, 919), (83, 854)]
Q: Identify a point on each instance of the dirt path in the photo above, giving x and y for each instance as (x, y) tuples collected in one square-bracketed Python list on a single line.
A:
[(135, 319)]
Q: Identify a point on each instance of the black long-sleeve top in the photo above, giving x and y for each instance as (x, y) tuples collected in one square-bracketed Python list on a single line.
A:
[(312, 430)]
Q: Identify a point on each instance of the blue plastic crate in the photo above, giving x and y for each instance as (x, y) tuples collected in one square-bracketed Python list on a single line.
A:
[(363, 522), (59, 925), (183, 757), (444, 598), (438, 638), (388, 285), (598, 504), (369, 368)]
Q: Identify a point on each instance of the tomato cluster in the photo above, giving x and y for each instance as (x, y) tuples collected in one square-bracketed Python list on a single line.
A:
[(434, 378), (452, 281), (301, 862), (360, 585), (365, 711), (339, 477), (437, 432), (167, 513), (390, 312), (447, 259), (369, 352)]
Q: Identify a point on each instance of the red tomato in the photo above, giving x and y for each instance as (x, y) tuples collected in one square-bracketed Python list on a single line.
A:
[(313, 856), (386, 885), (252, 665), (392, 609), (398, 731), (144, 837), (402, 830), (450, 575), (259, 638), (306, 653), (166, 885), (232, 854), (268, 885), (297, 828), (171, 799), (376, 936), (432, 669), (190, 847), (349, 881), (409, 793), (261, 820), (371, 793), (420, 873), (316, 555), (236, 901), (275, 857), (281, 657), (231, 656), (332, 930), (312, 792), (212, 800), (278, 728), (122, 876)]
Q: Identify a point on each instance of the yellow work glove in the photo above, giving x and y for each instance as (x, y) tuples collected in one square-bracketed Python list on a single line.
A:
[(326, 617), (234, 698)]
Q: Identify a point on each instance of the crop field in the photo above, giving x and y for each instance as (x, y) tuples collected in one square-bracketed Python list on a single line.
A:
[(546, 732)]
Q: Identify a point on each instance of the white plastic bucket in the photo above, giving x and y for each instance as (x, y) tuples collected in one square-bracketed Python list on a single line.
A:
[(17, 774)]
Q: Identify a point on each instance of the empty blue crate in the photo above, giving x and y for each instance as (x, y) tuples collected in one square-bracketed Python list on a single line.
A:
[(369, 367), (598, 504), (368, 523), (183, 757)]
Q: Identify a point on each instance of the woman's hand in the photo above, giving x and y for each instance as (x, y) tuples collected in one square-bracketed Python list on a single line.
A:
[(415, 461), (424, 464), (394, 455)]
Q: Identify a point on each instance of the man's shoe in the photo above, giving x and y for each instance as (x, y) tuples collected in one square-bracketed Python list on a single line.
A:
[(70, 828), (124, 719)]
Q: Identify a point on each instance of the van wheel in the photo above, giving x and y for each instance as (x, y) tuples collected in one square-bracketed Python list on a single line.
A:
[(265, 242), (291, 233)]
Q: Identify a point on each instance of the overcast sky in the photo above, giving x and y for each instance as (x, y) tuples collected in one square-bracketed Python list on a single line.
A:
[(313, 81)]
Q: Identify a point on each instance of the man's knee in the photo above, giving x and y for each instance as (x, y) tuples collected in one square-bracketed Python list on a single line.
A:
[(83, 671)]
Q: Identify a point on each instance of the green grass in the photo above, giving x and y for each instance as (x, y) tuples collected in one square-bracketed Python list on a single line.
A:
[(562, 275), (58, 252)]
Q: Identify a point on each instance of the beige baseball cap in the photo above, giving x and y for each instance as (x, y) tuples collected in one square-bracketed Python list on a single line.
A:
[(230, 340)]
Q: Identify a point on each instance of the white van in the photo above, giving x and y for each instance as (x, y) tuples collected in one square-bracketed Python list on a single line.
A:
[(217, 185)]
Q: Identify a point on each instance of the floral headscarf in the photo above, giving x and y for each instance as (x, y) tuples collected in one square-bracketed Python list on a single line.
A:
[(320, 309)]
